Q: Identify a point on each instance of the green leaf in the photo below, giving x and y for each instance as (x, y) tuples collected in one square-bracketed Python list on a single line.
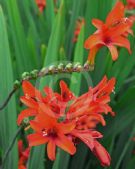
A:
[(78, 57), (51, 56), (8, 117)]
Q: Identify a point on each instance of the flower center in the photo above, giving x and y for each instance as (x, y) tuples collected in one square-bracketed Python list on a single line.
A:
[(50, 132), (107, 40)]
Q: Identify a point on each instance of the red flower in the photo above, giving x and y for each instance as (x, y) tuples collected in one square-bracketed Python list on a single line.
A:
[(41, 4), (48, 130), (23, 155), (59, 119), (94, 101), (111, 33), (52, 102), (130, 4), (79, 24)]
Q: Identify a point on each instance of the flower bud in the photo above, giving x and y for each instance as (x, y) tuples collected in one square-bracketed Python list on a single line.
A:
[(25, 75)]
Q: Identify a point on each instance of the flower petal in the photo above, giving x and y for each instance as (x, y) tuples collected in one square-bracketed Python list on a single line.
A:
[(93, 40), (123, 42), (92, 55), (36, 126), (26, 113), (101, 153), (51, 147), (116, 14), (67, 127), (66, 94), (36, 139), (30, 90), (64, 143), (29, 102), (85, 136), (97, 23), (113, 51)]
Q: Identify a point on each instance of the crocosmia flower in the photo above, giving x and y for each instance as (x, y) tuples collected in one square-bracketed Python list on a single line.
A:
[(79, 24), (23, 155), (41, 4), (130, 4), (48, 130), (112, 33), (60, 119)]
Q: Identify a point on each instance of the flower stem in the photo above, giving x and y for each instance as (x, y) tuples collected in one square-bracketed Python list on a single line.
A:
[(10, 146), (51, 70)]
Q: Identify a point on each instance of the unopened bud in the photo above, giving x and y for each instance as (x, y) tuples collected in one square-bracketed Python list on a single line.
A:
[(34, 73), (69, 66), (52, 68), (17, 84), (60, 67), (25, 75)]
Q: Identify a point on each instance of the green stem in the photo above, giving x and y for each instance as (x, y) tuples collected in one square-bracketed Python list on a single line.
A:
[(69, 68), (10, 146)]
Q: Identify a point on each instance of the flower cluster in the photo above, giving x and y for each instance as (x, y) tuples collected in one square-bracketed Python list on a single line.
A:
[(23, 155), (61, 119), (112, 33)]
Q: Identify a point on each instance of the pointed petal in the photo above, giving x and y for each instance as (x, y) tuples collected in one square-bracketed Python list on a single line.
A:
[(100, 85), (30, 90), (101, 153), (67, 127), (67, 145), (116, 14), (36, 139), (46, 111), (92, 55), (48, 91), (51, 148), (26, 113), (46, 120), (29, 102), (36, 126), (118, 30), (123, 42), (86, 137), (97, 23), (93, 40), (66, 94), (113, 51), (20, 146)]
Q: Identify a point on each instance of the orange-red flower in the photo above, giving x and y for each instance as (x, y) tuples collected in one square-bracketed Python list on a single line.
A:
[(23, 155), (112, 33), (41, 4), (48, 130), (94, 101), (79, 24), (37, 102), (130, 4), (59, 119)]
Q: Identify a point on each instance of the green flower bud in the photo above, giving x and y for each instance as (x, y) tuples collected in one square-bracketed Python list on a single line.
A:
[(17, 84), (34, 73), (25, 75)]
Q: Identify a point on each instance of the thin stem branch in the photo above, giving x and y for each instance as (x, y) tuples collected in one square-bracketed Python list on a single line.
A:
[(8, 98), (10, 146), (69, 68)]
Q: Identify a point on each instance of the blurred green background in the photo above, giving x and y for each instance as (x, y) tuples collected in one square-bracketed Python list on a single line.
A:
[(31, 40)]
